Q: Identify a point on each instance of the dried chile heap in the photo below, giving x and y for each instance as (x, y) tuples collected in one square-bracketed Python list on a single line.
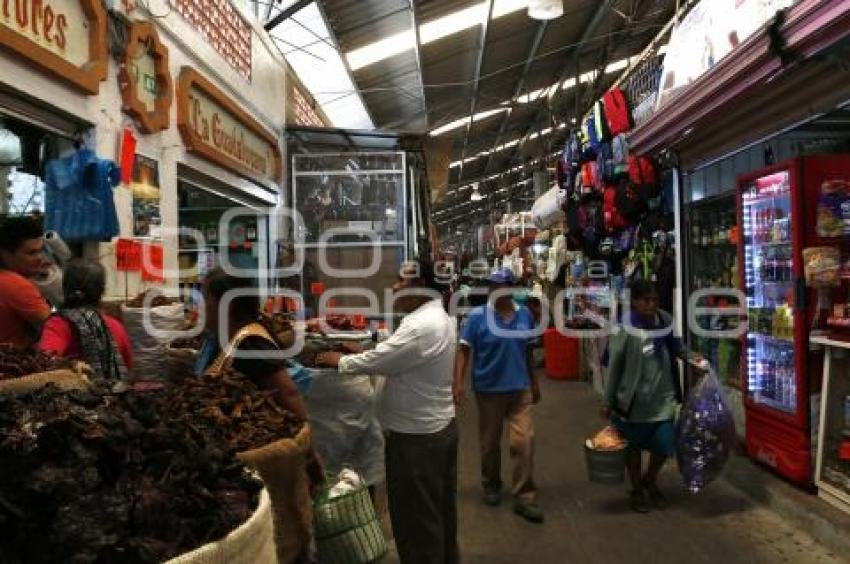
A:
[(312, 348), (17, 362), (158, 301), (235, 408), (193, 343), (95, 477)]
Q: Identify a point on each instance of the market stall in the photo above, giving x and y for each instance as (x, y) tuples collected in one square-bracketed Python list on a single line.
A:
[(832, 470)]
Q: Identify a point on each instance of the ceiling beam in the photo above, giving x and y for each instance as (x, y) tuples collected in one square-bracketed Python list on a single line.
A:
[(476, 84), (520, 85), (286, 14), (589, 32), (414, 22), (344, 60)]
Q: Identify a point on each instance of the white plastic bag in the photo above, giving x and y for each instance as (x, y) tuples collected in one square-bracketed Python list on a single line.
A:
[(546, 210), (346, 431), (148, 348)]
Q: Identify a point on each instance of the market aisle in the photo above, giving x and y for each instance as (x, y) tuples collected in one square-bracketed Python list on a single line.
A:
[(592, 523)]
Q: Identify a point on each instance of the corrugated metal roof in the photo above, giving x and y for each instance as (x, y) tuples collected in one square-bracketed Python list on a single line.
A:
[(400, 99)]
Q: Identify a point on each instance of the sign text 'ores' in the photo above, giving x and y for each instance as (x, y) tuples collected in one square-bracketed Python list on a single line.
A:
[(65, 37)]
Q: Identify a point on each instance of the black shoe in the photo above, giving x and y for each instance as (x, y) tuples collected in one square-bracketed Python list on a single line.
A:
[(655, 496), (529, 511), (493, 498), (637, 501)]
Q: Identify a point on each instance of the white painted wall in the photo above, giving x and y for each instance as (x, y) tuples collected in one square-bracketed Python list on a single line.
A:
[(263, 97)]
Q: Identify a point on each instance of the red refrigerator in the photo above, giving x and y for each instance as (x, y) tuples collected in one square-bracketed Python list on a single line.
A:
[(777, 209)]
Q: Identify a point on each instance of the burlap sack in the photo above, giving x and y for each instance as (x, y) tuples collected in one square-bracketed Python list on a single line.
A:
[(251, 543), (282, 465), (75, 378)]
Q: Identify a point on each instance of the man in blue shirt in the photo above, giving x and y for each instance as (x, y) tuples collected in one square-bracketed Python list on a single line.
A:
[(496, 340)]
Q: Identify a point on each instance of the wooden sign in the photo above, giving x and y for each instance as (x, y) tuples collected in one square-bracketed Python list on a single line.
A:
[(64, 37), (215, 127), (145, 79)]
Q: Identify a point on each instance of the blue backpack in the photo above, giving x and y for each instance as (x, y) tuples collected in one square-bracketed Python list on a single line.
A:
[(605, 165), (592, 137), (620, 155)]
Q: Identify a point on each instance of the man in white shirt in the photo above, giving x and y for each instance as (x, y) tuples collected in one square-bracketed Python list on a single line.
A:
[(418, 416)]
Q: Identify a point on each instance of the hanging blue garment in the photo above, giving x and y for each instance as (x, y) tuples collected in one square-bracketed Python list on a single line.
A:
[(79, 204)]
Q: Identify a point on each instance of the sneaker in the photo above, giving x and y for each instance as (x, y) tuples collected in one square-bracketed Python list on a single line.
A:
[(655, 496), (637, 501), (529, 511), (493, 498)]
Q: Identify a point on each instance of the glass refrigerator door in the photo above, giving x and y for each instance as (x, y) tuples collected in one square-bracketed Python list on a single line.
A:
[(769, 287)]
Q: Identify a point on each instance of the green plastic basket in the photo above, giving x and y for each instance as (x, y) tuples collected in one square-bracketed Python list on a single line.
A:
[(347, 529)]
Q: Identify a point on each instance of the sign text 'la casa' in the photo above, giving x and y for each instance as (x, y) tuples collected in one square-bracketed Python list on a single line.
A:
[(64, 37), (215, 127)]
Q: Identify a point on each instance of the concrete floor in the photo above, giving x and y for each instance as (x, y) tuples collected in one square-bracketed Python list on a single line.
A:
[(590, 523)]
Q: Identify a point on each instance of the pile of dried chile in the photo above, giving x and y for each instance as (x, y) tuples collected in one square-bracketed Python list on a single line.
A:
[(15, 362), (101, 476), (235, 408), (157, 301)]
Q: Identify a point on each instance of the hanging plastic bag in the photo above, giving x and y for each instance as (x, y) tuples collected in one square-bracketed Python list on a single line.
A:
[(705, 434)]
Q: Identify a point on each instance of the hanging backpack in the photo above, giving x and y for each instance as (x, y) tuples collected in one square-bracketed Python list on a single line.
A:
[(628, 201), (617, 111), (620, 155), (605, 164), (572, 151), (571, 210), (590, 223), (614, 221), (603, 133), (643, 175), (562, 175), (592, 135), (589, 179)]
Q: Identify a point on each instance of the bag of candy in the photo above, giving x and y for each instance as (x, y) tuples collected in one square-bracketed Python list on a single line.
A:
[(705, 434)]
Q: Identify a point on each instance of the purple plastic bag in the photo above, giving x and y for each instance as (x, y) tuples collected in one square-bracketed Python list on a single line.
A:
[(705, 434)]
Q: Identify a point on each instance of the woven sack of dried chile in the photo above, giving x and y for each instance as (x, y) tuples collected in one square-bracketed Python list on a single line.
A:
[(64, 379), (282, 465), (252, 543)]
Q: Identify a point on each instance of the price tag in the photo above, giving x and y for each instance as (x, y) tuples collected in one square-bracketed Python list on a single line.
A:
[(128, 255), (152, 263)]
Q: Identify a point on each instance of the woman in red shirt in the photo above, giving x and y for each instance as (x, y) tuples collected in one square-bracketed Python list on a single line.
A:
[(81, 331)]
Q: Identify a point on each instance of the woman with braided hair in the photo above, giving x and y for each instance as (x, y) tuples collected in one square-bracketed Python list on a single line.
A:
[(81, 331)]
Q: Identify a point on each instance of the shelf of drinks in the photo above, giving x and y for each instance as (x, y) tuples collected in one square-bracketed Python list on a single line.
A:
[(771, 339), (766, 198), (770, 244), (773, 403)]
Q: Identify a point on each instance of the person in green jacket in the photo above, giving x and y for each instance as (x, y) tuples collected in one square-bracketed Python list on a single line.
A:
[(643, 391)]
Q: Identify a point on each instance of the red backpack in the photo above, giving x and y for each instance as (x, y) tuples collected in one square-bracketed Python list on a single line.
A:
[(643, 175), (589, 178), (617, 111), (614, 221)]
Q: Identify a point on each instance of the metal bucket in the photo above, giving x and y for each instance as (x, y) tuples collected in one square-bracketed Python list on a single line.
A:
[(606, 466)]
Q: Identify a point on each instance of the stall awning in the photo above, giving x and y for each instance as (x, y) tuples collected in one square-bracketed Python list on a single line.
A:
[(750, 93)]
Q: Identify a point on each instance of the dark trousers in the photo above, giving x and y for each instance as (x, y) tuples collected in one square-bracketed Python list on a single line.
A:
[(422, 495)]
